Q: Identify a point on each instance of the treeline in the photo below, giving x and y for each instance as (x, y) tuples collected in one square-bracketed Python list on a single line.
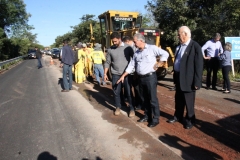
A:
[(82, 31), (15, 33), (203, 17)]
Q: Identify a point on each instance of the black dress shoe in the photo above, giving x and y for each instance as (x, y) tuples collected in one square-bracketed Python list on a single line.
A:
[(138, 107), (144, 119), (172, 120), (172, 89), (153, 124), (214, 88), (189, 125)]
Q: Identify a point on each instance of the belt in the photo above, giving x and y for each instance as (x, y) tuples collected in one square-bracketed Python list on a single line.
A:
[(146, 75)]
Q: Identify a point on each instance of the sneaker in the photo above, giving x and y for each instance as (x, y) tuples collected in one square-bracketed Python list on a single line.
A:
[(131, 113), (117, 111)]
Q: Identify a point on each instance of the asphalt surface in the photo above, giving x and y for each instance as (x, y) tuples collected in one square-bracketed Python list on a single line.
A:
[(37, 121)]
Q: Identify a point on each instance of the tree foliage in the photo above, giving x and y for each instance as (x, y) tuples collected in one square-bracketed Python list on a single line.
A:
[(15, 34), (203, 17), (81, 32)]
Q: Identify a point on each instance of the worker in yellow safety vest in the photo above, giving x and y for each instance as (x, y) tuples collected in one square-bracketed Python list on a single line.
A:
[(98, 57), (80, 76), (88, 65)]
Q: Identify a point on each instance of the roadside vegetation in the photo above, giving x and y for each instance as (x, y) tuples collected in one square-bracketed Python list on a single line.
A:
[(203, 17), (15, 33)]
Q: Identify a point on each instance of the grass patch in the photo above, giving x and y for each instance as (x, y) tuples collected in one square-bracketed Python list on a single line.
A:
[(220, 76)]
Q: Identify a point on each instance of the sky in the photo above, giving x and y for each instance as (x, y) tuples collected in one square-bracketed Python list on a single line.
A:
[(52, 18)]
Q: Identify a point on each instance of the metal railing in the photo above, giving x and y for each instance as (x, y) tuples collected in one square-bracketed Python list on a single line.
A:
[(11, 60)]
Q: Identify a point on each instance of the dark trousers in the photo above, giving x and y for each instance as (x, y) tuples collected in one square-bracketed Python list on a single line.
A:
[(67, 71), (117, 90), (183, 99), (133, 81), (137, 96), (148, 91), (226, 81), (39, 62), (212, 66)]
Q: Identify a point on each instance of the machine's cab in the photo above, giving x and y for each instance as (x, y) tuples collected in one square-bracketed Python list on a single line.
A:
[(127, 23)]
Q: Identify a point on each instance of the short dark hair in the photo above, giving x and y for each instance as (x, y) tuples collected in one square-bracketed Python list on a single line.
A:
[(217, 35), (127, 38), (65, 41), (115, 35)]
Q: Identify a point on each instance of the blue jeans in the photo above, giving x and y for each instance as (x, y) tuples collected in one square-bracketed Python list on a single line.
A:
[(39, 62), (98, 69), (67, 70), (117, 90)]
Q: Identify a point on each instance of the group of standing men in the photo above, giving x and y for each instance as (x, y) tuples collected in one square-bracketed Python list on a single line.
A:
[(133, 64), (80, 61)]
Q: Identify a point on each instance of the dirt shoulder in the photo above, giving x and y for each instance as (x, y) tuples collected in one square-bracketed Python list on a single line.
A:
[(216, 134)]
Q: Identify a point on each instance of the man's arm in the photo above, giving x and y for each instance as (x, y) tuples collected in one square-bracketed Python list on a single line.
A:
[(198, 66), (163, 57), (121, 79), (103, 57), (204, 47), (220, 48), (107, 64)]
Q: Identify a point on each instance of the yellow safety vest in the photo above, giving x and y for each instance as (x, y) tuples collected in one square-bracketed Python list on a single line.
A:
[(97, 57)]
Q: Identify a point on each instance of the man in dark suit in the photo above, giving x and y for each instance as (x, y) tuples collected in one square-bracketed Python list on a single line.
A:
[(188, 67), (39, 57)]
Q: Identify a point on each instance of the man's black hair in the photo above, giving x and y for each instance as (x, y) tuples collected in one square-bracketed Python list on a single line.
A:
[(127, 38), (65, 41), (115, 35)]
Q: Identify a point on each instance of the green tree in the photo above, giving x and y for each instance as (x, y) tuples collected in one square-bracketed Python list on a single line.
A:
[(15, 34), (203, 17), (12, 13), (81, 32)]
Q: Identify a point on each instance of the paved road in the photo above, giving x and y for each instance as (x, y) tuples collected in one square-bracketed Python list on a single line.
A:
[(37, 121)]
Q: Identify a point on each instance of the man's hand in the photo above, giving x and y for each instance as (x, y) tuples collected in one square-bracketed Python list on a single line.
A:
[(206, 57), (61, 65), (105, 77), (159, 64), (121, 79)]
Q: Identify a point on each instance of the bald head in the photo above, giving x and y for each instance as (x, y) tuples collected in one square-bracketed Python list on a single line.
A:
[(184, 34)]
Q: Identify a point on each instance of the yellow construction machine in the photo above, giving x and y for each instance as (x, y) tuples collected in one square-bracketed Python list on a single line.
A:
[(129, 23)]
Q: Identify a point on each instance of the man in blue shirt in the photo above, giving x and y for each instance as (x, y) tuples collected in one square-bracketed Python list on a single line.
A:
[(144, 61), (213, 48), (66, 64)]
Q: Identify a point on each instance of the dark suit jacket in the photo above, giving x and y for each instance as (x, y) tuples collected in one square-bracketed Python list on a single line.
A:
[(38, 53), (191, 68)]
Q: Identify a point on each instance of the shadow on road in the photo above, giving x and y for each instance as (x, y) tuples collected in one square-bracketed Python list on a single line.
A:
[(97, 158), (46, 156), (105, 97), (189, 151), (227, 132), (233, 100), (60, 82)]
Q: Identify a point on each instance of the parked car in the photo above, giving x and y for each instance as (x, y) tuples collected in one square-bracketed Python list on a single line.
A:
[(48, 52), (32, 54), (55, 53)]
